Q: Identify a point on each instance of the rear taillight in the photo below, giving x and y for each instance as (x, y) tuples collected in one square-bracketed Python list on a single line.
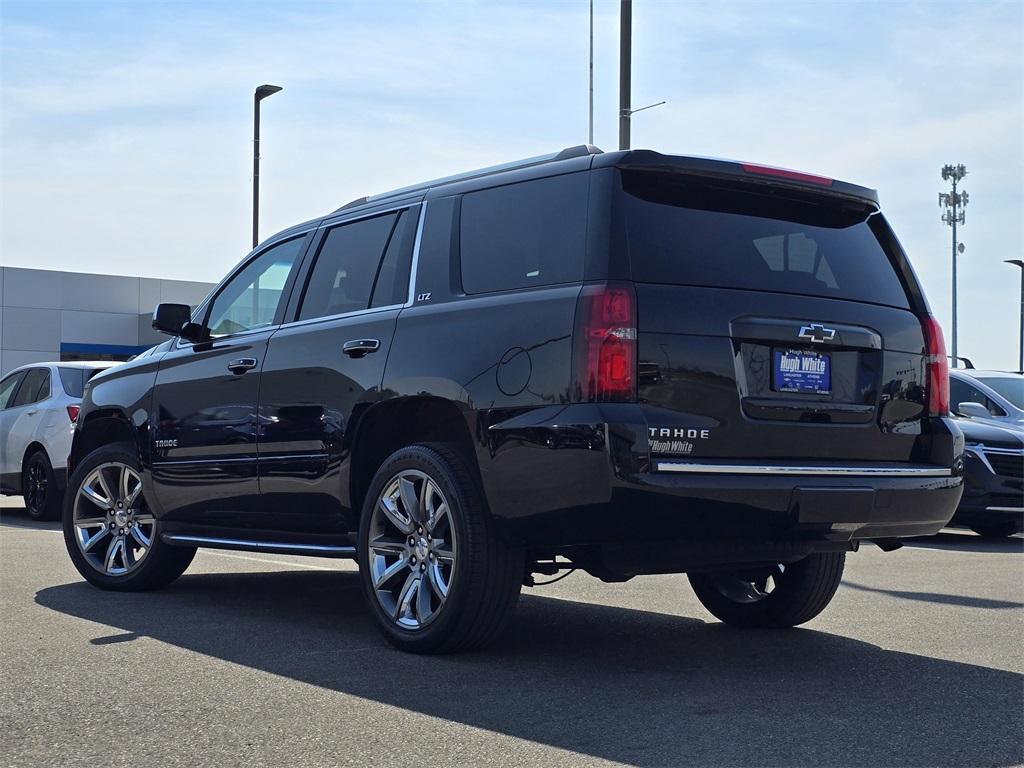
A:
[(937, 365), (605, 363), (73, 411)]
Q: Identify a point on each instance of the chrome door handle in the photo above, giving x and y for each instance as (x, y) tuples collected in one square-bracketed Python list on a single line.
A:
[(241, 365), (360, 347)]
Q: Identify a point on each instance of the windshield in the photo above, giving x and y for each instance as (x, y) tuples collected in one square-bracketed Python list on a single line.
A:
[(1012, 388)]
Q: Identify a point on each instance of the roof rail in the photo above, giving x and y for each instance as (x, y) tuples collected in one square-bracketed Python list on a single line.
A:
[(580, 150)]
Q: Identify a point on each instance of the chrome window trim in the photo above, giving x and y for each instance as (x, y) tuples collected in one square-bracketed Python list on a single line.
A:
[(414, 267), (789, 470), (257, 546), (343, 315)]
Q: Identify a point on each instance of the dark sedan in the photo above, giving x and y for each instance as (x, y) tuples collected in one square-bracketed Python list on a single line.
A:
[(993, 500)]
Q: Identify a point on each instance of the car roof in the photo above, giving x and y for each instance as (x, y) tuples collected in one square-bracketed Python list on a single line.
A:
[(977, 373), (586, 156), (88, 364)]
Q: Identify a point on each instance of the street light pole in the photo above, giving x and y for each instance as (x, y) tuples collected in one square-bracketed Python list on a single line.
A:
[(590, 133), (1020, 346), (625, 65), (261, 93), (954, 203)]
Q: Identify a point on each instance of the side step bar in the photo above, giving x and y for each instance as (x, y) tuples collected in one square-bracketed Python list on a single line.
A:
[(276, 547)]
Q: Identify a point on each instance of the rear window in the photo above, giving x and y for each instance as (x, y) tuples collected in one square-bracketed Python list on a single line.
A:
[(687, 232), (524, 235), (73, 379)]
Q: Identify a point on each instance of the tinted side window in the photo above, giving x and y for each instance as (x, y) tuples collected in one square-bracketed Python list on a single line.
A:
[(8, 387), (346, 267), (34, 388), (251, 299), (522, 235), (73, 381), (392, 285), (962, 392)]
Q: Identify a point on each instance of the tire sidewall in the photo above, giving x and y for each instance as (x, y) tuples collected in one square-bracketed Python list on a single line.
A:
[(139, 578), (433, 465)]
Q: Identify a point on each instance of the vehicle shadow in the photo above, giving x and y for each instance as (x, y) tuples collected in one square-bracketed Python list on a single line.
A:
[(615, 683), (17, 517), (937, 597), (963, 541)]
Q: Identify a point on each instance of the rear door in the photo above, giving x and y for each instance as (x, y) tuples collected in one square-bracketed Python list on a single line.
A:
[(205, 397), (10, 458), (25, 418), (772, 324), (327, 365)]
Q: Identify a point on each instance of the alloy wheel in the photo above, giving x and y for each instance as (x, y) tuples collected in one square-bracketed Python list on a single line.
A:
[(36, 487), (412, 549), (114, 528)]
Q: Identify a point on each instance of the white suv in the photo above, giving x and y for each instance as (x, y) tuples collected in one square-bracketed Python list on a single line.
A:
[(38, 408)]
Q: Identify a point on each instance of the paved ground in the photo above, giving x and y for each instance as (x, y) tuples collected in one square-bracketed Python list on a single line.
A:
[(266, 660)]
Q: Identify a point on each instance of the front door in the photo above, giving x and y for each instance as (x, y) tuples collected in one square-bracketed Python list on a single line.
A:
[(326, 366), (203, 440)]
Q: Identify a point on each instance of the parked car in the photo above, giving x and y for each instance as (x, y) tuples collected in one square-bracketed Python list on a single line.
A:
[(993, 500), (39, 404), (993, 397), (627, 363)]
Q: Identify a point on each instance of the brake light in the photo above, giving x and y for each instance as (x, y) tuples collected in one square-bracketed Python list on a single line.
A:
[(606, 343), (785, 173), (936, 366), (73, 411)]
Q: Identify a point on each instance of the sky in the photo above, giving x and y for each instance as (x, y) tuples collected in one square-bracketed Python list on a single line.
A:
[(126, 128)]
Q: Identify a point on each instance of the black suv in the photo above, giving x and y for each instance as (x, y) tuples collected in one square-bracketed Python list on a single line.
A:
[(627, 363)]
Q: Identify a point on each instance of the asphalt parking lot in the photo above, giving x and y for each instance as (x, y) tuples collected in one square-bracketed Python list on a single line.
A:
[(271, 660)]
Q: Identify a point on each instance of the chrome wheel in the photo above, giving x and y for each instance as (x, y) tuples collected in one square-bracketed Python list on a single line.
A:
[(749, 586), (411, 549), (113, 526)]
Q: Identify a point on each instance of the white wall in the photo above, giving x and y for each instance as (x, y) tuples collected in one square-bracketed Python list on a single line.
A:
[(40, 309)]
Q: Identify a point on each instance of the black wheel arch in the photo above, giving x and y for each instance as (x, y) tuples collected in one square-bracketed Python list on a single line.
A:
[(392, 424), (103, 427)]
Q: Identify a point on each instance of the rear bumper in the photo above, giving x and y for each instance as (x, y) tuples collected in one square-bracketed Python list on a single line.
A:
[(581, 475)]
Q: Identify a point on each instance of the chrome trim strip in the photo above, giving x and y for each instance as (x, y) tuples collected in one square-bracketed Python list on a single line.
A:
[(781, 469), (342, 316), (414, 267), (1004, 509), (256, 546), (239, 459)]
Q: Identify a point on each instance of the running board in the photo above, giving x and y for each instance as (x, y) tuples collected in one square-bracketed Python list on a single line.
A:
[(789, 469), (276, 547)]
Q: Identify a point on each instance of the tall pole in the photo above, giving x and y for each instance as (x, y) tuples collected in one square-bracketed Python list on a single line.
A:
[(590, 134), (256, 171), (261, 93), (625, 56), (1020, 346), (954, 203)]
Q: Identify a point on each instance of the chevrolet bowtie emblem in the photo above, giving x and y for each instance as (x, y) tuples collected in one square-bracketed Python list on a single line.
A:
[(817, 332)]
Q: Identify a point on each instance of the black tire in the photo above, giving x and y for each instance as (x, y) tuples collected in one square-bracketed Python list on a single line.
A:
[(39, 488), (801, 591), (162, 562), (996, 530), (485, 577)]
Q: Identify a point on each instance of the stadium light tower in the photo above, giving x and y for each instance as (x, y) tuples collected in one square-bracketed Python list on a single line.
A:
[(953, 203)]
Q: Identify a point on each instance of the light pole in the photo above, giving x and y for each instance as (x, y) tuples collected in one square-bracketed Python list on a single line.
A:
[(625, 65), (954, 203), (261, 93), (1020, 349)]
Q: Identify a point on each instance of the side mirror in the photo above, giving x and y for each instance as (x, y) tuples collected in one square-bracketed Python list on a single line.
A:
[(973, 410), (176, 320)]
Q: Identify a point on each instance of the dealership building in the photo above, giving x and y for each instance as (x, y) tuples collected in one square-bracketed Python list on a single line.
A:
[(48, 315)]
